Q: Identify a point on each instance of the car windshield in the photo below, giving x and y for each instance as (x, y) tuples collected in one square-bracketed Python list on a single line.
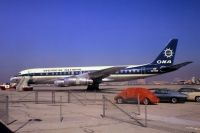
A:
[(189, 90), (159, 90)]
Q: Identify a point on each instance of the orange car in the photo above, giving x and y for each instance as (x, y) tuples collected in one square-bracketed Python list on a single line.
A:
[(131, 94)]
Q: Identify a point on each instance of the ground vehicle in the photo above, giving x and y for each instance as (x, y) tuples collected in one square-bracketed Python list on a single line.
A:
[(131, 95), (6, 86), (166, 95), (192, 93)]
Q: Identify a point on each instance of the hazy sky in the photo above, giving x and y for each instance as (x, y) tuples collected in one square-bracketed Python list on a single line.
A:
[(54, 33)]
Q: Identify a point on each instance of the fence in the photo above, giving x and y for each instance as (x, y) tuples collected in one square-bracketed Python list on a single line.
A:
[(53, 96), (68, 96), (84, 97), (42, 99), (123, 112), (4, 110)]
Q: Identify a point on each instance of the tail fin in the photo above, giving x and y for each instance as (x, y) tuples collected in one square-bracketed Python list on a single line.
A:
[(166, 57)]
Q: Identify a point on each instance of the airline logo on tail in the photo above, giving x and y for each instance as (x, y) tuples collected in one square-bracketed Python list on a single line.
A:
[(164, 61), (166, 57), (168, 53)]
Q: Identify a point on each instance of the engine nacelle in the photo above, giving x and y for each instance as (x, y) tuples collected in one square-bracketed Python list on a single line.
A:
[(59, 83), (77, 81), (73, 82)]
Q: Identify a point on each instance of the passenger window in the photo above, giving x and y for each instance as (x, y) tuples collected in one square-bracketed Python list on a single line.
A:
[(189, 90), (163, 92), (157, 92), (183, 90)]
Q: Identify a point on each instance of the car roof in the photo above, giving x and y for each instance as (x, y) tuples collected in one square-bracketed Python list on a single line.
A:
[(190, 88), (130, 88), (163, 89), (159, 89)]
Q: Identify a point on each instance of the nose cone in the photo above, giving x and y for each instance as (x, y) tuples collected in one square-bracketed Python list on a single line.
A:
[(15, 79)]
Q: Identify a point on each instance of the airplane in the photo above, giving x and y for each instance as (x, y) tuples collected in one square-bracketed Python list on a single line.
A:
[(93, 76)]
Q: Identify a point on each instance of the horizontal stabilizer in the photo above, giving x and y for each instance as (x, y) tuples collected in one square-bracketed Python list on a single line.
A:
[(175, 67)]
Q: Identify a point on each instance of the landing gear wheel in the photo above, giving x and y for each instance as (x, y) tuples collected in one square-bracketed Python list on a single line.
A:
[(93, 87), (174, 100), (197, 99), (146, 101)]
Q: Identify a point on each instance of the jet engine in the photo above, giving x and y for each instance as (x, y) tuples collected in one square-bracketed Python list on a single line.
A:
[(73, 81), (59, 83)]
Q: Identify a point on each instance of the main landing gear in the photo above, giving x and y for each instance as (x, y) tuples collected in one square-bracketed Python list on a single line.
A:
[(93, 87)]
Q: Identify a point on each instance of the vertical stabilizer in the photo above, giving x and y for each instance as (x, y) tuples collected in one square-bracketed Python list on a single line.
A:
[(166, 57)]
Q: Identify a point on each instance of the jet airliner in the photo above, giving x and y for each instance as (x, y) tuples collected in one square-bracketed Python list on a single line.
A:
[(93, 76)]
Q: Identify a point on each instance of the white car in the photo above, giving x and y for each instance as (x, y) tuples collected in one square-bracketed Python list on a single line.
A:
[(192, 93)]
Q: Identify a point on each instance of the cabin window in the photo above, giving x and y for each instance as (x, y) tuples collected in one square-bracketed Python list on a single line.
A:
[(76, 73), (32, 74), (49, 74), (125, 71), (121, 71), (35, 74)]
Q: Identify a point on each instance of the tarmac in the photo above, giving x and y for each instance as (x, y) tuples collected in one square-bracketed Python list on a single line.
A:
[(83, 112)]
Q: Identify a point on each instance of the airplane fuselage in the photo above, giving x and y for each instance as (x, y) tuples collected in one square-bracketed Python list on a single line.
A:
[(49, 75)]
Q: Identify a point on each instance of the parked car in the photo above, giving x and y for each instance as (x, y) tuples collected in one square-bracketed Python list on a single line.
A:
[(167, 95), (193, 94), (131, 95)]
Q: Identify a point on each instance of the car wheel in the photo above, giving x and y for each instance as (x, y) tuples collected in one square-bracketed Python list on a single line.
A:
[(197, 99), (120, 100), (174, 100), (146, 101)]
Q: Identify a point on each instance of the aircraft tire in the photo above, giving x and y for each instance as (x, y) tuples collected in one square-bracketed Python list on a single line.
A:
[(197, 99)]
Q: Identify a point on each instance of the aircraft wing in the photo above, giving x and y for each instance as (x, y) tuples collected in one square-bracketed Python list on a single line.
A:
[(105, 72), (102, 73)]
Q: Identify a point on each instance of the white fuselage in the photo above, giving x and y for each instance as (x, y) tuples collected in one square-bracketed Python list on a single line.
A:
[(49, 75)]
